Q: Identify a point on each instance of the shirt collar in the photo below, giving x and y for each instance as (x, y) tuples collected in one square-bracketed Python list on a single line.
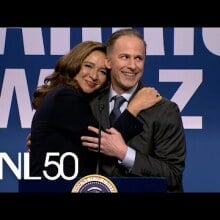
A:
[(127, 95)]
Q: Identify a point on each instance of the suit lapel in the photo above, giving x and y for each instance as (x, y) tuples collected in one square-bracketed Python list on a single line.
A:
[(101, 100)]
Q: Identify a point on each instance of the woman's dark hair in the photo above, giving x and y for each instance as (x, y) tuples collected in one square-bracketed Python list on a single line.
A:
[(66, 68)]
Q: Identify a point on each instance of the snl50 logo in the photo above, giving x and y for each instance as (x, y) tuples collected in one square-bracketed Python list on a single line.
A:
[(22, 169)]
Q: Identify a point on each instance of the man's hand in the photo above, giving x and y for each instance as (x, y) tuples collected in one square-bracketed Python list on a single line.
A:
[(111, 143)]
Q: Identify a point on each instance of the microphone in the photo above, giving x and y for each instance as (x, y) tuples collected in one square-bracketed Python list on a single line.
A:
[(100, 107)]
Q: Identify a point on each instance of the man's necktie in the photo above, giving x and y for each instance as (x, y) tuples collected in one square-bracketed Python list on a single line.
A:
[(119, 100)]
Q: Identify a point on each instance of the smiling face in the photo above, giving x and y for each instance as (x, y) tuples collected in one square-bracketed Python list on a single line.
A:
[(93, 73), (126, 61)]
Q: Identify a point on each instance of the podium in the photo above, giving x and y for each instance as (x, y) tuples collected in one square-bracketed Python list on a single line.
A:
[(123, 185)]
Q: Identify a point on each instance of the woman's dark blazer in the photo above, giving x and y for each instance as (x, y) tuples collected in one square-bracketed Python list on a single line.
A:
[(62, 118)]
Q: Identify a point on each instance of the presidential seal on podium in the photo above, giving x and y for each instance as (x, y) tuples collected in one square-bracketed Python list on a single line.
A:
[(94, 183)]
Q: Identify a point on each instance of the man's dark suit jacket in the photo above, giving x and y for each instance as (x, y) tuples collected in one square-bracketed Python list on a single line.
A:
[(160, 148), (62, 118)]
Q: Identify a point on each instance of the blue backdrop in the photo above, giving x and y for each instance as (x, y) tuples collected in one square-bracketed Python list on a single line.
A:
[(182, 63)]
